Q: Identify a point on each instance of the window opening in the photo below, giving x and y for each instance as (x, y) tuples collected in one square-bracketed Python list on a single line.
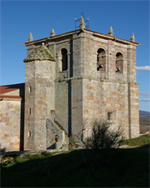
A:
[(109, 116), (64, 59), (119, 63), (29, 133), (30, 89), (101, 59), (29, 111)]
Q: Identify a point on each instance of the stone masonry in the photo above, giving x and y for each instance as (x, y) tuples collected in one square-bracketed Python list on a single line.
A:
[(76, 78), (11, 117)]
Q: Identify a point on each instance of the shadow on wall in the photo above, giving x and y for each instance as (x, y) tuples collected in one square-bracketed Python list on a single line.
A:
[(22, 126), (69, 90), (22, 94), (2, 150), (69, 109), (53, 146)]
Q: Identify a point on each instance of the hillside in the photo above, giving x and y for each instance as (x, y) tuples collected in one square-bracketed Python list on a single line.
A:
[(80, 168), (144, 113), (144, 123), (144, 120)]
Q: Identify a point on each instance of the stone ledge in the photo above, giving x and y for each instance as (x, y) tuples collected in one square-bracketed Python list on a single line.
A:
[(93, 78)]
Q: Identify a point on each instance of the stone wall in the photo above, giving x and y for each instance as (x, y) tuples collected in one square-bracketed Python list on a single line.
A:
[(38, 102), (133, 96), (103, 97), (10, 114), (76, 107), (29, 104), (61, 103)]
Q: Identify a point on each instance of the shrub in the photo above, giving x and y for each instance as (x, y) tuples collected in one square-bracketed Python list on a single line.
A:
[(102, 145), (103, 137)]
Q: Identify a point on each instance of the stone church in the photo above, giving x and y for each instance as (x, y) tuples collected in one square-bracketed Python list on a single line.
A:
[(71, 80)]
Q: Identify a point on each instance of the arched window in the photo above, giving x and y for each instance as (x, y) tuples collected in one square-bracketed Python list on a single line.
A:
[(119, 63), (64, 59), (101, 59)]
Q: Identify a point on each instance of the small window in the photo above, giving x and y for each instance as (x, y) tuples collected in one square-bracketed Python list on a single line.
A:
[(64, 59), (108, 116), (29, 133), (29, 110), (30, 89)]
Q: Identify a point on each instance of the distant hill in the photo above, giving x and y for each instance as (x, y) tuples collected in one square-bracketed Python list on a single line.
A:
[(144, 113), (144, 120)]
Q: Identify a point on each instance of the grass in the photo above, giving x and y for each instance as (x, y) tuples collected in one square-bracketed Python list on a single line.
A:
[(126, 167), (139, 141)]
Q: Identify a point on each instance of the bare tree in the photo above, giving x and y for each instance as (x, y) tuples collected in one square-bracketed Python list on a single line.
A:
[(100, 147), (103, 137)]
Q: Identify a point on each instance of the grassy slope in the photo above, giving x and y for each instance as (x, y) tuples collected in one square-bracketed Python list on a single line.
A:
[(139, 141), (127, 167)]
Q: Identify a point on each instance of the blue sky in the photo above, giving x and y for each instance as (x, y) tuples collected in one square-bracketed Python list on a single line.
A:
[(19, 18)]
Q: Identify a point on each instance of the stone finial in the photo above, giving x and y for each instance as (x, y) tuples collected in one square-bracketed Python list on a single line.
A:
[(110, 32), (82, 24), (132, 38), (30, 37), (52, 33)]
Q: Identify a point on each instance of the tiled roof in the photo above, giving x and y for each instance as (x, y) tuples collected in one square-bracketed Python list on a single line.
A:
[(9, 96), (41, 53), (9, 88)]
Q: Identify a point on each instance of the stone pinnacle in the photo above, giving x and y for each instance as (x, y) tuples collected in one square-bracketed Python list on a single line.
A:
[(82, 24), (110, 32), (30, 37), (52, 33), (132, 38)]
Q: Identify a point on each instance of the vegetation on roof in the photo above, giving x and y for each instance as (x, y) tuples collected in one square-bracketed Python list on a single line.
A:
[(41, 53)]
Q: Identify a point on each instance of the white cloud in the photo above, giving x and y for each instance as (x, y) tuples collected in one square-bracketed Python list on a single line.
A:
[(144, 93), (144, 68), (144, 100)]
